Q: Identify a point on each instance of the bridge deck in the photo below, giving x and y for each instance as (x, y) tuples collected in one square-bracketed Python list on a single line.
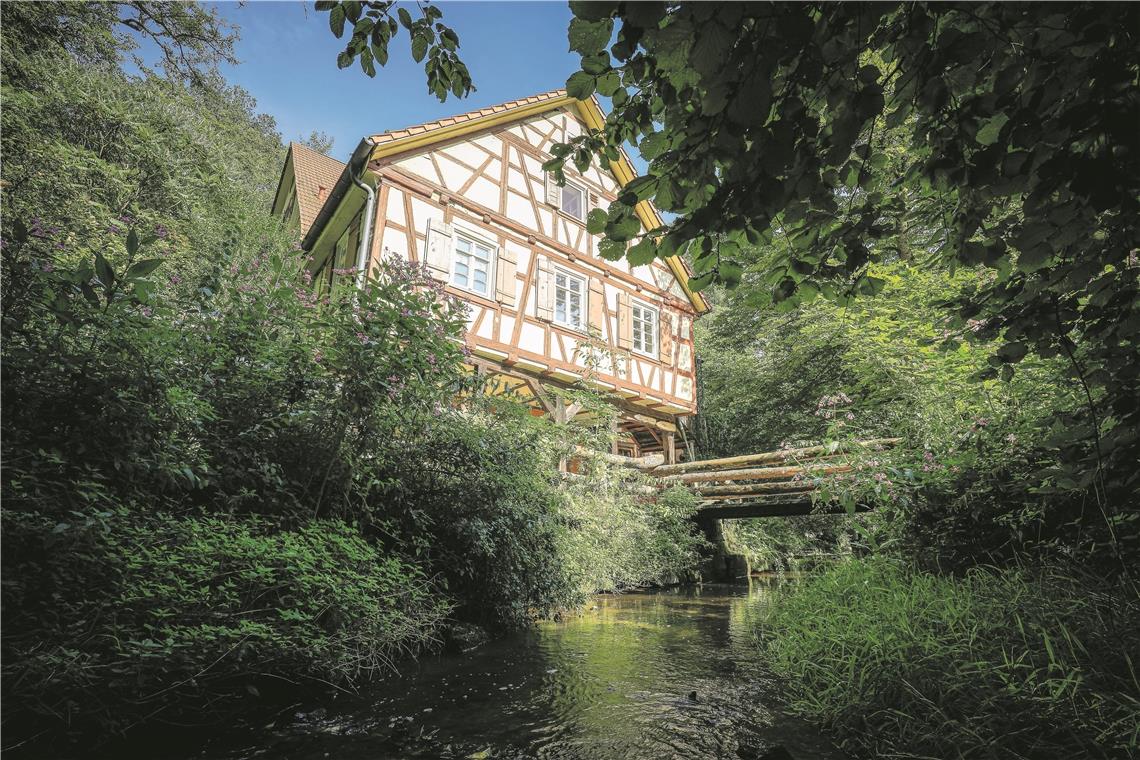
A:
[(767, 484)]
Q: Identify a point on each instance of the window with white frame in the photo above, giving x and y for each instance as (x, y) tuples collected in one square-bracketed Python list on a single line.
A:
[(472, 264), (644, 329), (573, 200), (569, 295)]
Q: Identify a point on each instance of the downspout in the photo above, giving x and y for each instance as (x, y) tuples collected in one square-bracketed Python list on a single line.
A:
[(364, 247)]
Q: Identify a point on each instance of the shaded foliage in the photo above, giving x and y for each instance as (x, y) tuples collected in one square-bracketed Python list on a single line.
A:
[(995, 664), (776, 125), (219, 485)]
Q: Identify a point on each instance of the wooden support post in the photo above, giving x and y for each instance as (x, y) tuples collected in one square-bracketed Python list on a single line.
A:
[(670, 446)]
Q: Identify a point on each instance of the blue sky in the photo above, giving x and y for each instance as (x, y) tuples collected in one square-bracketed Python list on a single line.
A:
[(288, 62)]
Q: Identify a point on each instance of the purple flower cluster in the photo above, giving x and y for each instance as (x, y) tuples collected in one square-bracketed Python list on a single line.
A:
[(828, 406), (40, 230)]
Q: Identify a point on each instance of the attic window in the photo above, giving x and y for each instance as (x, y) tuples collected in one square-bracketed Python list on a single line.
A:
[(573, 200)]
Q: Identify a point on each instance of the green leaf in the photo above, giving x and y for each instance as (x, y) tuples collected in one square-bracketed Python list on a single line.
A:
[(419, 47), (596, 221), (697, 284), (642, 252), (366, 62), (642, 187), (609, 83), (405, 17), (611, 250), (104, 271), (588, 37), (132, 243), (580, 85), (142, 268), (626, 227), (380, 53), (336, 20), (991, 128), (1013, 352)]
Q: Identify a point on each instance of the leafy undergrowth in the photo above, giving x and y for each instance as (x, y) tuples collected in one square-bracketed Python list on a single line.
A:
[(994, 664), (122, 616)]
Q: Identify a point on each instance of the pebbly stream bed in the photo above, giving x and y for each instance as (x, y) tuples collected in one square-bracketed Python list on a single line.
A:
[(668, 674)]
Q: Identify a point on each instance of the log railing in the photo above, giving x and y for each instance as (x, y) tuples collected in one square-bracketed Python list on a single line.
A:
[(771, 482)]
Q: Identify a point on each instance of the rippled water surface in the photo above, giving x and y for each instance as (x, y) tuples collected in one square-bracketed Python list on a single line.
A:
[(670, 674)]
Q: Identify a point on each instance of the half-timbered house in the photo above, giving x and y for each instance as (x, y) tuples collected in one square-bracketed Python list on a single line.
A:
[(468, 197)]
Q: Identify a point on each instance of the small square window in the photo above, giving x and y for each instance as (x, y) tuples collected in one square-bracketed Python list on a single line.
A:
[(569, 296), (472, 263), (644, 329), (574, 200)]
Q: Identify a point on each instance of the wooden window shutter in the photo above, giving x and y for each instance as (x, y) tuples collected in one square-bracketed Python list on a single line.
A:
[(505, 270), (666, 328), (553, 191), (597, 303), (625, 321), (544, 286), (437, 250)]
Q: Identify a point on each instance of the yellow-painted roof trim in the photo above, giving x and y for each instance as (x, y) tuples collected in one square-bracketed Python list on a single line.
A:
[(623, 170), (592, 115)]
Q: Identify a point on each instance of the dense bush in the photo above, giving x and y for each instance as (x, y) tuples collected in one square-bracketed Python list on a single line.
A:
[(117, 617), (1009, 664), (206, 490), (977, 477), (617, 542), (218, 484)]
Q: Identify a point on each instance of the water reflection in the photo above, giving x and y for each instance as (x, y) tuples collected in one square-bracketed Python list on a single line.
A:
[(647, 675)]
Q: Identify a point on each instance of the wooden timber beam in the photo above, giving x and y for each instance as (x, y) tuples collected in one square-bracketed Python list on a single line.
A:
[(647, 462), (755, 473), (766, 509), (771, 457), (744, 490)]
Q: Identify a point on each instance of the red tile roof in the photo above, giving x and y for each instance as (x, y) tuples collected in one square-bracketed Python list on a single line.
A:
[(315, 174), (431, 126)]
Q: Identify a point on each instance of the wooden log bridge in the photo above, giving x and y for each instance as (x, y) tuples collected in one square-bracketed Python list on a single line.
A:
[(769, 484)]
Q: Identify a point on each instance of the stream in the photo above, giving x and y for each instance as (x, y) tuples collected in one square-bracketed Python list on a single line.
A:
[(666, 674)]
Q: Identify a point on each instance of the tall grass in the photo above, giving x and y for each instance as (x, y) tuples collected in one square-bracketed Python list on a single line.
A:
[(995, 664)]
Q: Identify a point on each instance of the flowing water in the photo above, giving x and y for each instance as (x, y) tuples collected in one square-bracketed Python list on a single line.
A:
[(670, 674)]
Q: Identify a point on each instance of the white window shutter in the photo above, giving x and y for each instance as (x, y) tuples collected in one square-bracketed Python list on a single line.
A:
[(437, 250), (553, 191), (544, 295), (505, 270)]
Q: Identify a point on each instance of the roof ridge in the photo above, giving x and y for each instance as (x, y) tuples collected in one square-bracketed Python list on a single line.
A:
[(427, 126), (297, 144)]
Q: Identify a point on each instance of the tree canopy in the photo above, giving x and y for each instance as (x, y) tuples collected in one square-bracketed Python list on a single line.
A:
[(799, 144)]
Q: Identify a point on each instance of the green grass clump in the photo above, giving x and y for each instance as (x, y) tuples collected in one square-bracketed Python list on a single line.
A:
[(994, 664)]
